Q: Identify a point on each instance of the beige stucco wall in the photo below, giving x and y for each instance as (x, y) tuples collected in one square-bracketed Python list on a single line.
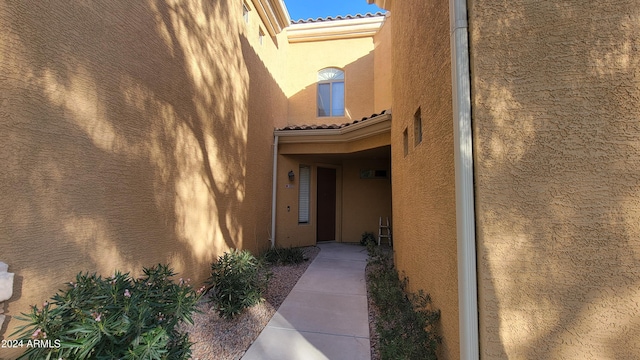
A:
[(131, 133), (288, 231), (364, 200), (353, 56), (382, 65), (423, 181), (556, 98), (360, 202)]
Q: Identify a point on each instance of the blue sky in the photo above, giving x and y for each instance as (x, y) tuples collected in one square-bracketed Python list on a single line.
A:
[(304, 9)]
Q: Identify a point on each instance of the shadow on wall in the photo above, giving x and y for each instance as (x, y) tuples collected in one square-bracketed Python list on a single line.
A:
[(557, 163), (359, 95), (267, 107), (124, 128)]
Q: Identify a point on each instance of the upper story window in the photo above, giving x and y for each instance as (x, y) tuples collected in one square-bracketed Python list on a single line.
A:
[(331, 92)]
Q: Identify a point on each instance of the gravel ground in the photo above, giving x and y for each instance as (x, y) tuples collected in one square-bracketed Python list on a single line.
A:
[(220, 339), (374, 312), (373, 315)]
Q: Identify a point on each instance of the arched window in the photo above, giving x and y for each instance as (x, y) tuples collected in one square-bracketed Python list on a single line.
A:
[(331, 92)]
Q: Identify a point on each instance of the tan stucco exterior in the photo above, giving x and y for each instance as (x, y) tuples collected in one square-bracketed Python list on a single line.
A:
[(364, 200), (360, 202), (556, 99), (289, 231), (314, 47), (423, 180), (132, 134), (353, 56), (140, 133), (382, 64)]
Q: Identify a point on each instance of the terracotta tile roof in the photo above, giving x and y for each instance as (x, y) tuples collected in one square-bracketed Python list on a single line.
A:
[(329, 126), (339, 17)]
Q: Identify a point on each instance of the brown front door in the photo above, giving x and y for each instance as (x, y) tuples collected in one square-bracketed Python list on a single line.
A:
[(326, 222)]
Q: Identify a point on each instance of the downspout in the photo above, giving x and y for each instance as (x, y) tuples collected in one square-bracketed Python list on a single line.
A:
[(273, 191), (465, 215)]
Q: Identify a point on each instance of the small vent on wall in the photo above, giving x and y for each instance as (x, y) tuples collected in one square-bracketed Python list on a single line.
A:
[(417, 128), (405, 141)]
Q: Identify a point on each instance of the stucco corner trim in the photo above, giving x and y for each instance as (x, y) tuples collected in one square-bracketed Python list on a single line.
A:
[(274, 15)]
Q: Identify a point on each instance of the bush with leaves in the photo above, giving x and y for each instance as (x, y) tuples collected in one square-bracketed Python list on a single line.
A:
[(237, 282), (113, 318), (406, 322), (285, 256), (367, 238)]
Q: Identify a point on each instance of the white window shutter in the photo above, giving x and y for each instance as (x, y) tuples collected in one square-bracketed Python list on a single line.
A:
[(304, 194)]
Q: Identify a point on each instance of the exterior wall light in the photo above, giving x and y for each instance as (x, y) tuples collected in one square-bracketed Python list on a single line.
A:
[(291, 175)]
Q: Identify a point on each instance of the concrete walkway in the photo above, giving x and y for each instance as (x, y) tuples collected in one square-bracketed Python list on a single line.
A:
[(325, 316)]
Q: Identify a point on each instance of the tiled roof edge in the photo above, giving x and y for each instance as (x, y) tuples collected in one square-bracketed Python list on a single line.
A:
[(329, 126), (339, 17)]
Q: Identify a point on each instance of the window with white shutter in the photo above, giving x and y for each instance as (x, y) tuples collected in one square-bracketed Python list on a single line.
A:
[(304, 194)]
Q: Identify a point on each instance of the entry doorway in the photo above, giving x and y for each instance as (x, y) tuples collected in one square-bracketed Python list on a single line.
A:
[(326, 204)]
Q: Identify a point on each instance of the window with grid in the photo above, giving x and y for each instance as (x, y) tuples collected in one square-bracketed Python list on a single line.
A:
[(330, 92)]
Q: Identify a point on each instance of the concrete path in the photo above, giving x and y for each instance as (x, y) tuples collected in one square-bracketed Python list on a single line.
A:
[(325, 316)]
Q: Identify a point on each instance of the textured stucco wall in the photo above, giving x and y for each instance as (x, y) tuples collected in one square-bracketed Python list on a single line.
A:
[(353, 56), (288, 231), (131, 133), (382, 66), (359, 201), (423, 181), (556, 98), (364, 200)]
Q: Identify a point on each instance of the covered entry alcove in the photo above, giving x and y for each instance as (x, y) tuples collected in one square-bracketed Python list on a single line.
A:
[(332, 182)]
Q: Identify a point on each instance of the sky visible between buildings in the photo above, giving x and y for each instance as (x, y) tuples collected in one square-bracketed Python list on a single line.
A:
[(312, 9)]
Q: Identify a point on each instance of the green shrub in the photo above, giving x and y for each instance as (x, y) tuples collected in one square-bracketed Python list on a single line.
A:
[(367, 239), (406, 323), (237, 282), (113, 318), (285, 256)]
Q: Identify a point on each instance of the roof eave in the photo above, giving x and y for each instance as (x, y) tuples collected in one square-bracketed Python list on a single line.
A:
[(274, 15), (335, 29), (370, 127)]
